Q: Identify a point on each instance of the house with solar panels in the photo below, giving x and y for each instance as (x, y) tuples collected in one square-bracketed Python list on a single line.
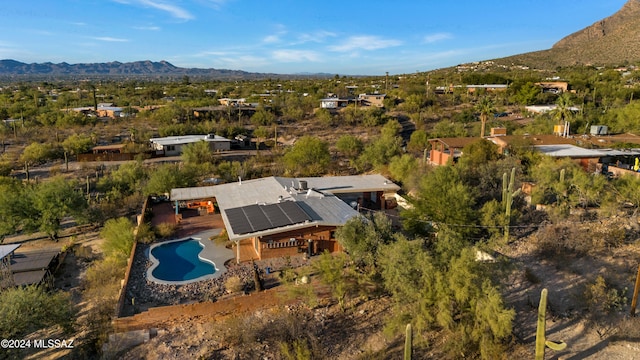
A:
[(277, 216)]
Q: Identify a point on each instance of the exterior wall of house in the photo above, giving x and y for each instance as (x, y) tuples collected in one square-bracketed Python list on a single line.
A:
[(437, 157), (329, 104), (372, 99), (220, 145), (294, 242), (172, 150)]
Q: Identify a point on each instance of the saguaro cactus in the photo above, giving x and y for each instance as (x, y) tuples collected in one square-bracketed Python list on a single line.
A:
[(408, 343), (507, 199), (541, 341)]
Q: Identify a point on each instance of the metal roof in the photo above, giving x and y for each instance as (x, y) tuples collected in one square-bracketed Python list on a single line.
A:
[(347, 184), (29, 277), (8, 249), (186, 139), (33, 260), (566, 150), (261, 201)]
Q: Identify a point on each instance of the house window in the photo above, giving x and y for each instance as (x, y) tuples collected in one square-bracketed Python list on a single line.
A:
[(171, 148)]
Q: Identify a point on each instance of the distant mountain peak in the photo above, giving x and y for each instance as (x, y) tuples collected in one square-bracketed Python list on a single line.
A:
[(614, 40)]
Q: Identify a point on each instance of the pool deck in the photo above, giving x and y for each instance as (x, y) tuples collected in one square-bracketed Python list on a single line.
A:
[(212, 252)]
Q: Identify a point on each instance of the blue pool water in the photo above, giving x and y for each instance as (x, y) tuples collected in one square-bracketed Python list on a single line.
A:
[(178, 261)]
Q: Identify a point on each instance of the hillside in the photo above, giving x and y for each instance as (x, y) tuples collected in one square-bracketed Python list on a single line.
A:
[(614, 40), (115, 68)]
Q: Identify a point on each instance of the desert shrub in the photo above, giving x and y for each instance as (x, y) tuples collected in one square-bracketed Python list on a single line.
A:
[(165, 230), (144, 234), (560, 240), (602, 299), (296, 331), (118, 238), (297, 350), (234, 284), (101, 288), (222, 238), (30, 308)]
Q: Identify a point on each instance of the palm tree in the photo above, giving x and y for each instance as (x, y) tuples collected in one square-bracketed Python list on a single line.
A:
[(484, 107), (563, 111)]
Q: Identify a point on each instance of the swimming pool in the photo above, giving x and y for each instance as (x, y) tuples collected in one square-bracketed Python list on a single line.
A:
[(179, 262)]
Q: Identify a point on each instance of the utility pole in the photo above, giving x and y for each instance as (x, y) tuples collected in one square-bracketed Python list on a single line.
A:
[(386, 82)]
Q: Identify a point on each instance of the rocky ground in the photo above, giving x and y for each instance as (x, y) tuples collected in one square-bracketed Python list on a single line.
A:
[(358, 332), (149, 294)]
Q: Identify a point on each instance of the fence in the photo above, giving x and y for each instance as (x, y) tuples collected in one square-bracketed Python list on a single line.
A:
[(123, 289)]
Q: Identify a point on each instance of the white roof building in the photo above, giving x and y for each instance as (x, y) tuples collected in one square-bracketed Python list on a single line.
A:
[(172, 145)]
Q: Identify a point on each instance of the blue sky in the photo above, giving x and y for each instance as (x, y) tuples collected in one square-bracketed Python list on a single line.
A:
[(290, 36)]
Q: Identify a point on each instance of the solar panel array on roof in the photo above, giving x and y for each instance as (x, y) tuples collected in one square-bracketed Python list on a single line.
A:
[(253, 218)]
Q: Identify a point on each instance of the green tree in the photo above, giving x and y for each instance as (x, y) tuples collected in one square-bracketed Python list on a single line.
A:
[(261, 134), (36, 153), (443, 201), (262, 117), (380, 151), (197, 153), (53, 200), (403, 167), (485, 107), (478, 153), (169, 176), (27, 309), (309, 156), (334, 273), (562, 112), (418, 142), (527, 94), (349, 145), (363, 237), (127, 179), (118, 238), (77, 144), (12, 196)]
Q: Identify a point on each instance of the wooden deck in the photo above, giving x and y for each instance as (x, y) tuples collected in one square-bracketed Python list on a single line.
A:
[(247, 252), (190, 223)]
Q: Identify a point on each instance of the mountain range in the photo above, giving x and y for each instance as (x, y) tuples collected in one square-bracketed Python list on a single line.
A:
[(614, 40)]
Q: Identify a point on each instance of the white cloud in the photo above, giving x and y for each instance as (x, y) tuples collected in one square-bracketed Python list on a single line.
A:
[(295, 55), (147, 28), (436, 37), (365, 42), (110, 39), (280, 30), (318, 36), (215, 4), (271, 39), (173, 10)]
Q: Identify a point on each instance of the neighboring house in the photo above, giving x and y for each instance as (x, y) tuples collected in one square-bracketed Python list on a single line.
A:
[(172, 145), (108, 110), (108, 149), (487, 87), (276, 216), (554, 87), (334, 103), (541, 109), (232, 102), (362, 100), (445, 149), (376, 100)]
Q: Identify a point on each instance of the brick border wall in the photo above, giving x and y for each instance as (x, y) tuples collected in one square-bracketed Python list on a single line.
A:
[(123, 288)]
